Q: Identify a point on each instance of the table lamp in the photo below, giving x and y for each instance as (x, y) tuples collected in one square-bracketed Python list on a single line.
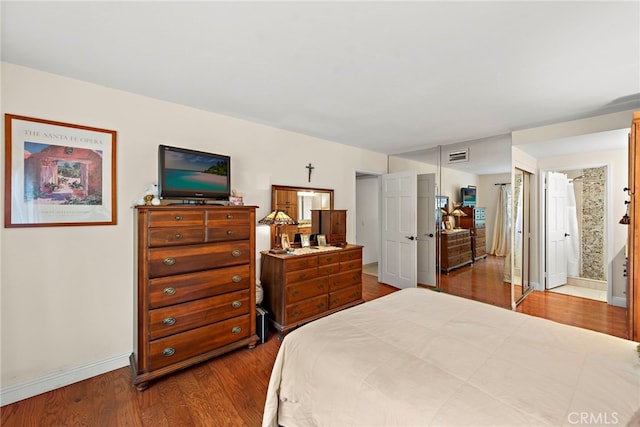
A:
[(457, 213), (277, 218)]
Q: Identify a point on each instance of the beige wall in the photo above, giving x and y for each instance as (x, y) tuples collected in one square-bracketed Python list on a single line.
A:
[(67, 292)]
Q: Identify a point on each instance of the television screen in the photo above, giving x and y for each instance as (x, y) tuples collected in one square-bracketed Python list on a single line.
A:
[(193, 175), (468, 195)]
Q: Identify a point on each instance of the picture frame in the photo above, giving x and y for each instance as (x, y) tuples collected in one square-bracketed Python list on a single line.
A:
[(322, 240), (305, 240), (284, 241), (448, 225), (58, 174)]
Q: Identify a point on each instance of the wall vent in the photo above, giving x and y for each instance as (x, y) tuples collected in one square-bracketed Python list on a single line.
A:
[(459, 156)]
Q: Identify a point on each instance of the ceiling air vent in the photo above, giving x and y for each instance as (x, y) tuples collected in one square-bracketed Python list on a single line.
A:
[(459, 156)]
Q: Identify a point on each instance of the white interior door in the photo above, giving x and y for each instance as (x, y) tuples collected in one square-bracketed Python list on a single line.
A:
[(556, 251), (398, 246), (426, 225)]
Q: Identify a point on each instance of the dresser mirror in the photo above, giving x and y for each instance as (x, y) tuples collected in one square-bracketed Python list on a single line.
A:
[(297, 202)]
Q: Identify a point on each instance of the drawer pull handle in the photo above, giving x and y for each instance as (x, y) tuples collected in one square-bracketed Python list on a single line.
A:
[(295, 314), (169, 321), (178, 236), (236, 304), (169, 291), (229, 232), (303, 275), (236, 279), (168, 352), (236, 253), (236, 330), (229, 216), (178, 217), (295, 293), (169, 261), (321, 286), (321, 305)]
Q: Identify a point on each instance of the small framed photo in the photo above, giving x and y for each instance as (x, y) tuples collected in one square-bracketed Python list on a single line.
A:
[(322, 240), (305, 240), (285, 241), (448, 225)]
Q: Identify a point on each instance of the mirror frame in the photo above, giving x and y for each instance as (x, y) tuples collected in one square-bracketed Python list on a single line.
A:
[(275, 188)]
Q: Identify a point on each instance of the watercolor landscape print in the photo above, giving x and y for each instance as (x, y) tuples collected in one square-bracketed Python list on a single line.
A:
[(61, 175)]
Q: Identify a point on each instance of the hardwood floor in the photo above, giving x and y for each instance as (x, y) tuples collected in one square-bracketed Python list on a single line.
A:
[(230, 390)]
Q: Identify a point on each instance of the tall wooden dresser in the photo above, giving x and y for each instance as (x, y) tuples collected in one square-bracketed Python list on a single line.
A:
[(475, 221), (305, 287), (455, 249), (195, 295)]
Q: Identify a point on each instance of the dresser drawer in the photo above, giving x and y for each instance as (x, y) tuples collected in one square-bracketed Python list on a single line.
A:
[(176, 260), (343, 280), (344, 296), (228, 232), (351, 265), (325, 270), (175, 348), (182, 317), (170, 236), (175, 218), (304, 309), (170, 290), (304, 290), (350, 255), (221, 216), (301, 263), (331, 258), (299, 275)]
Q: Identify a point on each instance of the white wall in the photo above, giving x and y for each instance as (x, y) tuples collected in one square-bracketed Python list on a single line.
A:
[(67, 292)]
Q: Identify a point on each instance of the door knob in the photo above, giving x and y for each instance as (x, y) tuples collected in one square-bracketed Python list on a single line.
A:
[(430, 234), (410, 237), (566, 234)]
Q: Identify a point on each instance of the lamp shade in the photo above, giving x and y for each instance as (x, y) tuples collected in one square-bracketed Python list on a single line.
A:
[(457, 212), (277, 217)]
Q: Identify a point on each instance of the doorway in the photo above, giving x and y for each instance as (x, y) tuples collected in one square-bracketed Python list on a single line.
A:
[(584, 232)]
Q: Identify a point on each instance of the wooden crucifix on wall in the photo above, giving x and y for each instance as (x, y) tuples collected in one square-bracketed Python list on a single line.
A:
[(311, 168)]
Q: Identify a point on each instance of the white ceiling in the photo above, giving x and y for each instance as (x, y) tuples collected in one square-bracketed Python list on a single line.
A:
[(392, 77)]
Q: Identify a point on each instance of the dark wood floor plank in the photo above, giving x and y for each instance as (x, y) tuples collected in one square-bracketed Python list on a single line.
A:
[(230, 390)]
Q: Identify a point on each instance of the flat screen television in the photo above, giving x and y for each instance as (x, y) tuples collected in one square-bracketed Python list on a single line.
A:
[(468, 196), (193, 176)]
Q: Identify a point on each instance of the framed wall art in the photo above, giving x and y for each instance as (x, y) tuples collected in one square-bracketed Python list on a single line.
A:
[(58, 174)]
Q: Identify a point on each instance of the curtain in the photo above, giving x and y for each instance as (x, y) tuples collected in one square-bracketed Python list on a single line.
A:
[(502, 227), (573, 242)]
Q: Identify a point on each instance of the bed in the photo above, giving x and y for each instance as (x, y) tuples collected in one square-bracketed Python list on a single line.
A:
[(422, 358)]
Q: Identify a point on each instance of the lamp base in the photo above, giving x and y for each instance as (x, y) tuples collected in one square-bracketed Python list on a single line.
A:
[(277, 251)]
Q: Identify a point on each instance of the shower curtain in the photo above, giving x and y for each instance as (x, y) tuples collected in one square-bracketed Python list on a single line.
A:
[(573, 240)]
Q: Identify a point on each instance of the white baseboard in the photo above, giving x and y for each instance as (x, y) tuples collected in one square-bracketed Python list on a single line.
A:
[(619, 302), (14, 393)]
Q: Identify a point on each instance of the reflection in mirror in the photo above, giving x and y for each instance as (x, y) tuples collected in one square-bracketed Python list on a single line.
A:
[(520, 283), (297, 202), (483, 164)]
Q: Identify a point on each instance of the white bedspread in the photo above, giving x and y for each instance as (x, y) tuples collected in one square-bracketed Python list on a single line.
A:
[(423, 358)]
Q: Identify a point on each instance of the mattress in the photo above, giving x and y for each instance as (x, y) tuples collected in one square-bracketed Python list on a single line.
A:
[(422, 358)]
